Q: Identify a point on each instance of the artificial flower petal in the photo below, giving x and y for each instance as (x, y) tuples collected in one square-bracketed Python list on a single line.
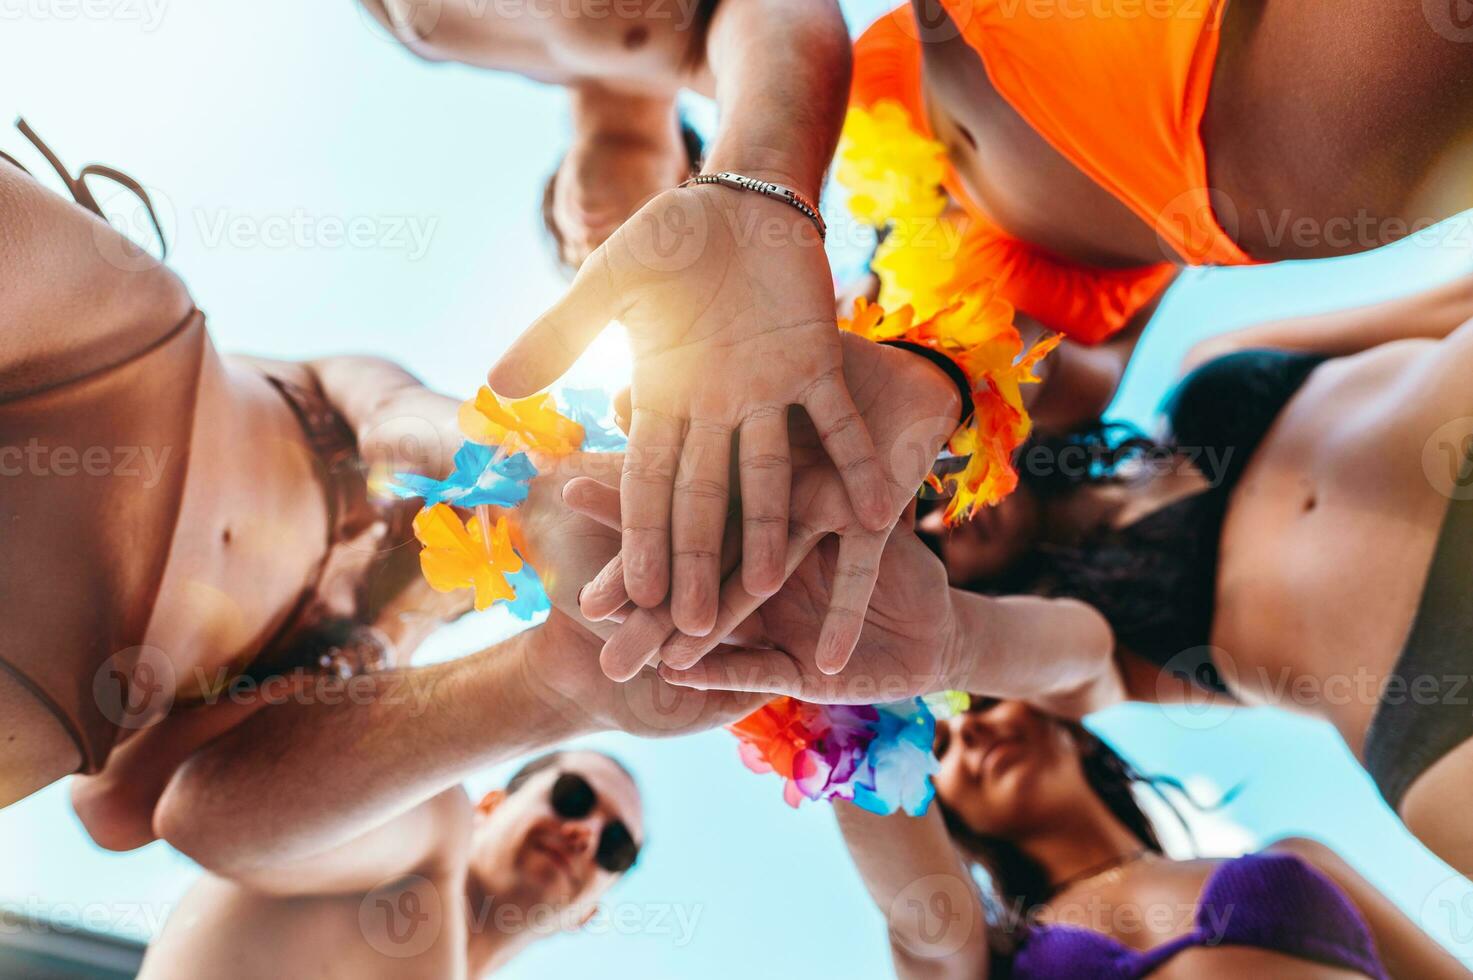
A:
[(460, 556), (593, 409), (533, 424), (889, 169), (478, 479)]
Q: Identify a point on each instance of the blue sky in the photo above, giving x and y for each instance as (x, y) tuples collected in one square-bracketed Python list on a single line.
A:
[(326, 192)]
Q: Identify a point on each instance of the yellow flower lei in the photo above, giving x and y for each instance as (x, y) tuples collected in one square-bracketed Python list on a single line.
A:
[(484, 553), (894, 176)]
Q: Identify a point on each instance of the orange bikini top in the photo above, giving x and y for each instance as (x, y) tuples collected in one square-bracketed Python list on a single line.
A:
[(1121, 98)]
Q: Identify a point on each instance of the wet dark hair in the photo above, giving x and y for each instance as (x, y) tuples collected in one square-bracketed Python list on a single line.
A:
[(1154, 581), (695, 152), (1019, 883), (547, 761)]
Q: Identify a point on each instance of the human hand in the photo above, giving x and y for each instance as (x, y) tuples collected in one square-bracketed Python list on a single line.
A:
[(560, 668), (908, 644), (912, 407), (728, 302)]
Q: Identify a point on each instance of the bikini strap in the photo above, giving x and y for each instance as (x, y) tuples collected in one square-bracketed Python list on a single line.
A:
[(77, 186)]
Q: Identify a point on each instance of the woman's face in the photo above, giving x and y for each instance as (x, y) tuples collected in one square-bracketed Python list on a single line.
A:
[(1007, 768), (989, 543)]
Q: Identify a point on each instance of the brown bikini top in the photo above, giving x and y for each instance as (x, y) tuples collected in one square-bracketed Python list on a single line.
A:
[(95, 457), (369, 559), (84, 554)]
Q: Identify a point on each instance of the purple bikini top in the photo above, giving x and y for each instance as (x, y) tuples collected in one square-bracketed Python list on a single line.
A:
[(1274, 902)]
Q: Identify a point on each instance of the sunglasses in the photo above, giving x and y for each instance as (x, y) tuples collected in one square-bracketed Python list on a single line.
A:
[(573, 799)]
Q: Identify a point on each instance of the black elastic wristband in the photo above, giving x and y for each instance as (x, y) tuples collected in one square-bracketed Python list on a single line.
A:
[(952, 368)]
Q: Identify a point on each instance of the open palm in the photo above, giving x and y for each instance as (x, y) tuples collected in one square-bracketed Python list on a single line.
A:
[(728, 302)]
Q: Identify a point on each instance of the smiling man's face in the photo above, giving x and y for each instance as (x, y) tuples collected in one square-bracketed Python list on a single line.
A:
[(525, 851)]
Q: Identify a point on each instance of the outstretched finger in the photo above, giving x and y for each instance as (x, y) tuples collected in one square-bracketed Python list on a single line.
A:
[(736, 606), (635, 643), (645, 490), (847, 440), (698, 516), (855, 573), (766, 479), (546, 349)]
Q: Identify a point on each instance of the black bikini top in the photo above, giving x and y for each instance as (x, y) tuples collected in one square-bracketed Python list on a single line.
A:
[(1155, 580)]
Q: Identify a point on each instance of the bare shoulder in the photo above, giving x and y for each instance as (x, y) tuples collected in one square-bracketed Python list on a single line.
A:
[(78, 296), (1310, 851)]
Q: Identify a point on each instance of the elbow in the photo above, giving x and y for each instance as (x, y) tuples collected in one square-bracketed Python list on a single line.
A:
[(115, 815)]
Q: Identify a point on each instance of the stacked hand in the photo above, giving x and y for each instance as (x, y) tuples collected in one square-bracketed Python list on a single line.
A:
[(911, 407), (910, 642), (563, 669), (728, 302)]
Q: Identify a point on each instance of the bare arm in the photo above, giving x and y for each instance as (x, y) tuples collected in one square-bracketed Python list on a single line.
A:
[(1405, 949), (361, 754), (1058, 654), (429, 839), (312, 771), (918, 881), (401, 425), (1432, 315), (782, 83)]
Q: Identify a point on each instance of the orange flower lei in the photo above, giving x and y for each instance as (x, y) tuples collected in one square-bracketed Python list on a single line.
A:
[(977, 332), (893, 175)]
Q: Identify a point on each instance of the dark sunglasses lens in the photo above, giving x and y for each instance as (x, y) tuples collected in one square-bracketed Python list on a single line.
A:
[(617, 851), (572, 797)]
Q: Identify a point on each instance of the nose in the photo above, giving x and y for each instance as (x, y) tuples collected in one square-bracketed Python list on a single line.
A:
[(578, 835)]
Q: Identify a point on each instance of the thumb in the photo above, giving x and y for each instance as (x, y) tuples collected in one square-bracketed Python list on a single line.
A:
[(545, 351)]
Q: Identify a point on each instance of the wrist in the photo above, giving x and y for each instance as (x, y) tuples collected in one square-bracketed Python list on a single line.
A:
[(552, 713), (957, 656), (942, 374), (770, 165)]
